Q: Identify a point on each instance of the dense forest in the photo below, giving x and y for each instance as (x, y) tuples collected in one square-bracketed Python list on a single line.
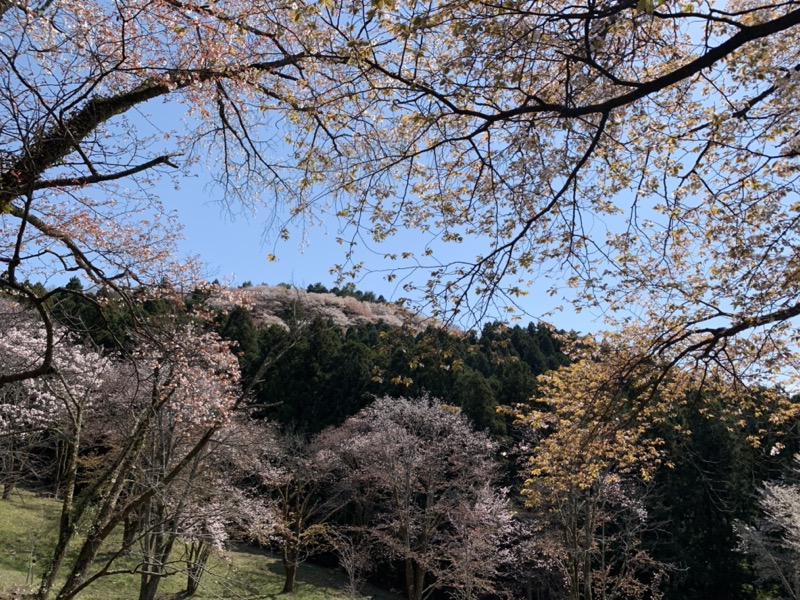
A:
[(327, 420)]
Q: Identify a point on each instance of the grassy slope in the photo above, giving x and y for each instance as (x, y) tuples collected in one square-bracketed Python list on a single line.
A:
[(28, 529)]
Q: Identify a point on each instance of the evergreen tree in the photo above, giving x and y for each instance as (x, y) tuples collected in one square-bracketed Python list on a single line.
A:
[(240, 328), (713, 482)]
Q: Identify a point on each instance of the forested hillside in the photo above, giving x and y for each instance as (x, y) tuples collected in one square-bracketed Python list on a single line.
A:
[(349, 352), (709, 480), (300, 454)]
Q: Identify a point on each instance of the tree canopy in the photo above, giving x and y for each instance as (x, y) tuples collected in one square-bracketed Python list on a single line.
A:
[(644, 153)]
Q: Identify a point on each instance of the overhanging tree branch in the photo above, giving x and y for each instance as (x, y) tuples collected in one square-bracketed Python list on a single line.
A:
[(62, 138)]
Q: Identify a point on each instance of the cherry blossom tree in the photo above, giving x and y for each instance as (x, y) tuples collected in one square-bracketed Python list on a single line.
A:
[(50, 411), (267, 485), (532, 564), (162, 519), (594, 449), (58, 405), (16, 444), (641, 154), (189, 378), (23, 426), (178, 528), (55, 404), (213, 501), (78, 163), (599, 551), (474, 558), (219, 506), (156, 416), (23, 344), (298, 474), (354, 553), (775, 541), (416, 473)]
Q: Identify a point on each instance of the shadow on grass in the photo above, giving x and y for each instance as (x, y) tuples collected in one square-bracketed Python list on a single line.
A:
[(312, 581), (27, 532), (28, 529), (307, 574)]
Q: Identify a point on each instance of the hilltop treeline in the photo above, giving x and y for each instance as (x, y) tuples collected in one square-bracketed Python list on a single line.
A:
[(330, 373)]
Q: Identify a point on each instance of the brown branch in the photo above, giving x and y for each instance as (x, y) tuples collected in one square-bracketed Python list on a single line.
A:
[(744, 36), (82, 260), (63, 137), (98, 178)]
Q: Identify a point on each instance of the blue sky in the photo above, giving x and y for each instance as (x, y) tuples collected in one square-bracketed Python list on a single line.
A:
[(234, 246)]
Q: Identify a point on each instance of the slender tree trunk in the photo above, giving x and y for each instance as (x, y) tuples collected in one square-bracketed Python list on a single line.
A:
[(8, 485), (149, 586), (104, 522), (59, 468), (412, 590), (415, 579), (157, 550), (156, 565), (62, 462), (409, 572), (160, 549), (589, 528), (66, 528), (48, 579), (291, 577), (290, 568), (131, 526), (419, 582), (109, 487), (587, 580), (197, 558)]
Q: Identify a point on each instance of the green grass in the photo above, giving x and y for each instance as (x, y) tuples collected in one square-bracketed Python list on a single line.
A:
[(28, 532)]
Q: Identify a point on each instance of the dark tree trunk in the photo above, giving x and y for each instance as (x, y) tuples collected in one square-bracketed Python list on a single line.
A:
[(149, 586), (291, 576), (69, 516), (157, 547), (8, 485), (196, 565), (130, 529), (290, 568)]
